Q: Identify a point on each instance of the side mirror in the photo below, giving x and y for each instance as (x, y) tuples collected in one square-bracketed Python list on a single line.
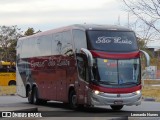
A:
[(89, 56)]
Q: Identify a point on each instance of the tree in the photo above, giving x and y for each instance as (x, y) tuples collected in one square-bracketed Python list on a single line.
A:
[(8, 38), (148, 18), (147, 23), (30, 31), (147, 11)]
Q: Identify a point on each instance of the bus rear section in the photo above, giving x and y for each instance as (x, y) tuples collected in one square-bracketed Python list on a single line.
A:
[(7, 73), (85, 65)]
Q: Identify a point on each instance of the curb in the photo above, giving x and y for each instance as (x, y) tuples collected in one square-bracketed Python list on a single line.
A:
[(149, 99), (32, 109), (14, 94)]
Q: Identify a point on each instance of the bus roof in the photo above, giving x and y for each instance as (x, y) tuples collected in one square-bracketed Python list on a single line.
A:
[(101, 27), (82, 27)]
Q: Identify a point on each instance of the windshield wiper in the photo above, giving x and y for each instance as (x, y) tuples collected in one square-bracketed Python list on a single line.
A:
[(106, 82), (127, 83)]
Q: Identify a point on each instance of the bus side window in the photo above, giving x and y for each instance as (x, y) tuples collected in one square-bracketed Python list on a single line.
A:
[(12, 69), (3, 69), (82, 67), (79, 37), (44, 45)]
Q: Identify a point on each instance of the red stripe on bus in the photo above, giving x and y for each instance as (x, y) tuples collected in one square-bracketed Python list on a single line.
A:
[(116, 90), (115, 55)]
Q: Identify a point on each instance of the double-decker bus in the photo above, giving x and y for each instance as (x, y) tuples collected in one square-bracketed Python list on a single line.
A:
[(7, 73), (86, 65)]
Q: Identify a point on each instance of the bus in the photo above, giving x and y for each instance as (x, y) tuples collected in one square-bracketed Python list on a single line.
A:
[(82, 65), (7, 73)]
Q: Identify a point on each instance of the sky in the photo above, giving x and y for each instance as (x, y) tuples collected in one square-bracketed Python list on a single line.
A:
[(49, 14)]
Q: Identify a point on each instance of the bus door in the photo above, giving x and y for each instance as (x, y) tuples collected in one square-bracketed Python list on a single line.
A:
[(82, 91)]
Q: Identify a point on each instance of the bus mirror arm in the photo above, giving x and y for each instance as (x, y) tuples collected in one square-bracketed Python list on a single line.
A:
[(89, 56), (147, 57), (90, 62)]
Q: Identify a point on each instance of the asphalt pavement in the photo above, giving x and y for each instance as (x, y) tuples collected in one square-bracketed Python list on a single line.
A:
[(61, 111)]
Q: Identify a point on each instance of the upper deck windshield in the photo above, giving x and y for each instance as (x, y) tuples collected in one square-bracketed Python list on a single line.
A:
[(117, 72), (112, 41)]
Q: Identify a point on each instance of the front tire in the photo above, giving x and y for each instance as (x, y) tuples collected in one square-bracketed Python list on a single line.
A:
[(73, 100), (116, 107)]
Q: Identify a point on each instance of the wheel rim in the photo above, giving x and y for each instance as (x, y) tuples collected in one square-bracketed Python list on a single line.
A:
[(29, 96), (34, 97), (74, 100)]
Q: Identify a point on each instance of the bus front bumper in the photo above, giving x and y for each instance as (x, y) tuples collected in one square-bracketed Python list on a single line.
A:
[(133, 98)]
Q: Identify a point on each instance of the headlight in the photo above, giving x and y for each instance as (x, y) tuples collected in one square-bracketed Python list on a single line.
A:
[(138, 92), (96, 92)]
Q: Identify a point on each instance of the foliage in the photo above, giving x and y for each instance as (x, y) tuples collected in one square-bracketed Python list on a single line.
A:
[(8, 38), (147, 11), (147, 14), (30, 31)]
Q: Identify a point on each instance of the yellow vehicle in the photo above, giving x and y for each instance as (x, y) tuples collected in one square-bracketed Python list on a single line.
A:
[(7, 73)]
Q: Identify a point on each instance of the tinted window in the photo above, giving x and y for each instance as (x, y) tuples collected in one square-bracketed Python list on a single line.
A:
[(57, 43), (79, 39), (115, 72), (7, 68), (44, 45), (67, 47), (62, 43), (25, 47), (19, 49), (112, 41), (82, 67)]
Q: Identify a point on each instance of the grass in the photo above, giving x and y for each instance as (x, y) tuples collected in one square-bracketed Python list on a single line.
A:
[(151, 91), (151, 82), (7, 90)]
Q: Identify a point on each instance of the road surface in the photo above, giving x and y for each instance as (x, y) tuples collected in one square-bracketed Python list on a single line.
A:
[(61, 111)]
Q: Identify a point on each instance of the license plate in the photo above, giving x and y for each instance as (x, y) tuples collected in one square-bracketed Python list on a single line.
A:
[(118, 102)]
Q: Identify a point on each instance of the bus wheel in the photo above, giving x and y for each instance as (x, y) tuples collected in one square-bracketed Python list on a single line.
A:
[(30, 96), (12, 82), (72, 100), (35, 96), (116, 107)]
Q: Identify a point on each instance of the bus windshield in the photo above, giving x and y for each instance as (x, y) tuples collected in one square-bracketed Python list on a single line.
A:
[(112, 41), (117, 72)]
